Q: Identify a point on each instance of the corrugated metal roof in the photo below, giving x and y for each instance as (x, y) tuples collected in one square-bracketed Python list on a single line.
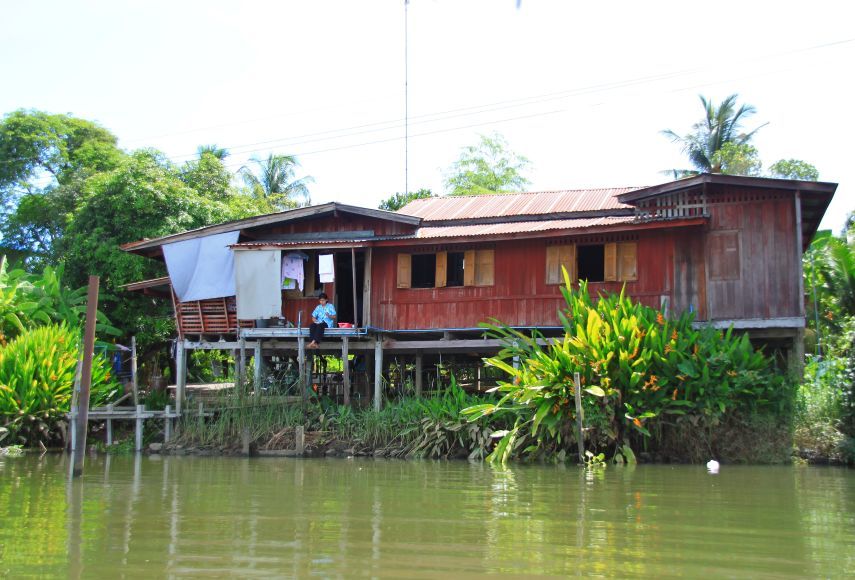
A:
[(518, 227), (516, 204)]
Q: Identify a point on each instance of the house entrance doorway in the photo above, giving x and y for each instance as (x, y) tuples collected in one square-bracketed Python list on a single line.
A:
[(344, 299)]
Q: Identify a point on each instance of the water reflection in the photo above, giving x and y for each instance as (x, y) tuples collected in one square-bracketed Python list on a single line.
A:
[(187, 516)]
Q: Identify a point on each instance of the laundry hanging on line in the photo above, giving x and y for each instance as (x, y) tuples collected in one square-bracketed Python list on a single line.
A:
[(326, 268), (292, 271)]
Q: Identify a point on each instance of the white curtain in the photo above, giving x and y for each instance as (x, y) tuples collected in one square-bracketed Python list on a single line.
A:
[(202, 268), (258, 284)]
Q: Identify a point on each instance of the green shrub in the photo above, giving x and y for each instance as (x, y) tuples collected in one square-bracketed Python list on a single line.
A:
[(37, 371), (639, 370)]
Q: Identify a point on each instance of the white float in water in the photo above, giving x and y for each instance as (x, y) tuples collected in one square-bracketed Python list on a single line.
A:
[(712, 466)]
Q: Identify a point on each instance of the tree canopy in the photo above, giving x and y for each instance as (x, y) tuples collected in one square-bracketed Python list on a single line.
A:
[(719, 144), (273, 180), (488, 167), (720, 126), (399, 200)]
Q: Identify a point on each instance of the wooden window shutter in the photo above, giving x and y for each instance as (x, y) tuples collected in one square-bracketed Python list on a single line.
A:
[(628, 261), (441, 273), (485, 267), (469, 268), (567, 258), (553, 265), (405, 266), (610, 266)]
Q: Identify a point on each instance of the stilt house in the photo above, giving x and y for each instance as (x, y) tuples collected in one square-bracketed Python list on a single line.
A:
[(416, 283)]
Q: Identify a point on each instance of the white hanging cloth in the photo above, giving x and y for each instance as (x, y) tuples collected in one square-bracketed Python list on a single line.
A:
[(202, 268), (326, 268), (292, 271)]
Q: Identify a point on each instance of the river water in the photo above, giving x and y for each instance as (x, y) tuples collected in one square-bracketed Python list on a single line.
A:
[(183, 516)]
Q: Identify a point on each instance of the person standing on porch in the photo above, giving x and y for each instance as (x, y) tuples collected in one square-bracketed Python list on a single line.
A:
[(323, 316)]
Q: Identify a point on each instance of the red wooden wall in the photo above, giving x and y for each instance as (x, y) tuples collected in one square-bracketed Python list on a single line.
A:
[(763, 227), (520, 295)]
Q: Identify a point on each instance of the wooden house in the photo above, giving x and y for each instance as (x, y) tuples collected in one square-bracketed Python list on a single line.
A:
[(419, 281)]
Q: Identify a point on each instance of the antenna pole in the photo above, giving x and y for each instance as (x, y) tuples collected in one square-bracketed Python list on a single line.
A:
[(406, 103)]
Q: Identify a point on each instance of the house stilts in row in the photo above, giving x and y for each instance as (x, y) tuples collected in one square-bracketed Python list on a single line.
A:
[(416, 283)]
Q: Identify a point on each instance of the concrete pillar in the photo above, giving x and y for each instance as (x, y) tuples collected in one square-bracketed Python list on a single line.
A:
[(345, 367)]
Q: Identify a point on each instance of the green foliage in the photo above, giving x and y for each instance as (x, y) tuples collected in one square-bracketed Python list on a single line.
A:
[(399, 200), (722, 124), (793, 169), (28, 300), (738, 159), (273, 181), (485, 168), (37, 372), (638, 369), (35, 143)]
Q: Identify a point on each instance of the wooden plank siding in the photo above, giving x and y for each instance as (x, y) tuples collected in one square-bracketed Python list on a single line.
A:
[(344, 222), (520, 295), (752, 256)]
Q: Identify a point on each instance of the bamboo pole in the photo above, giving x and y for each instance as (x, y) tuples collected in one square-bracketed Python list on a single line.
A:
[(82, 414)]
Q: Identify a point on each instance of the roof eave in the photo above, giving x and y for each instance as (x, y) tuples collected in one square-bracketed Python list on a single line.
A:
[(721, 179), (267, 219)]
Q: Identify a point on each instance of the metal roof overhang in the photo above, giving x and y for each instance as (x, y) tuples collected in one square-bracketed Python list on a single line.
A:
[(145, 286), (151, 247)]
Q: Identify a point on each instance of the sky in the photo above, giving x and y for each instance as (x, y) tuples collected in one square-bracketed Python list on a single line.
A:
[(582, 89)]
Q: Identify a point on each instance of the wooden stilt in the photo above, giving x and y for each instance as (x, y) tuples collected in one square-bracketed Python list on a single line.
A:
[(242, 365), (345, 368), (378, 373), (134, 377), (257, 368), (419, 362), (301, 361), (181, 378)]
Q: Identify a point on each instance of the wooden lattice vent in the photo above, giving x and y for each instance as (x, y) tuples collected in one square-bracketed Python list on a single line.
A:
[(682, 204), (213, 316)]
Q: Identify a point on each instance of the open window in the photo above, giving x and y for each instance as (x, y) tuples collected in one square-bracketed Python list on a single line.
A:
[(442, 269), (615, 261)]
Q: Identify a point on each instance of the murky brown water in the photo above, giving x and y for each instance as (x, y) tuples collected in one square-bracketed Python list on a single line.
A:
[(180, 516)]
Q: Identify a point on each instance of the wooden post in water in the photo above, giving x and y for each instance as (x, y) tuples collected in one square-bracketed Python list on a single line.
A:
[(82, 413), (134, 378), (109, 425), (579, 417), (139, 428), (167, 424)]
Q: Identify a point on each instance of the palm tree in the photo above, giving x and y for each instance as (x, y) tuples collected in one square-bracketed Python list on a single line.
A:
[(274, 180), (218, 152), (721, 125)]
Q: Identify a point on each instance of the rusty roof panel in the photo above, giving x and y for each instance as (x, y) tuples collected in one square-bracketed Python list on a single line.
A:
[(516, 204), (518, 227)]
